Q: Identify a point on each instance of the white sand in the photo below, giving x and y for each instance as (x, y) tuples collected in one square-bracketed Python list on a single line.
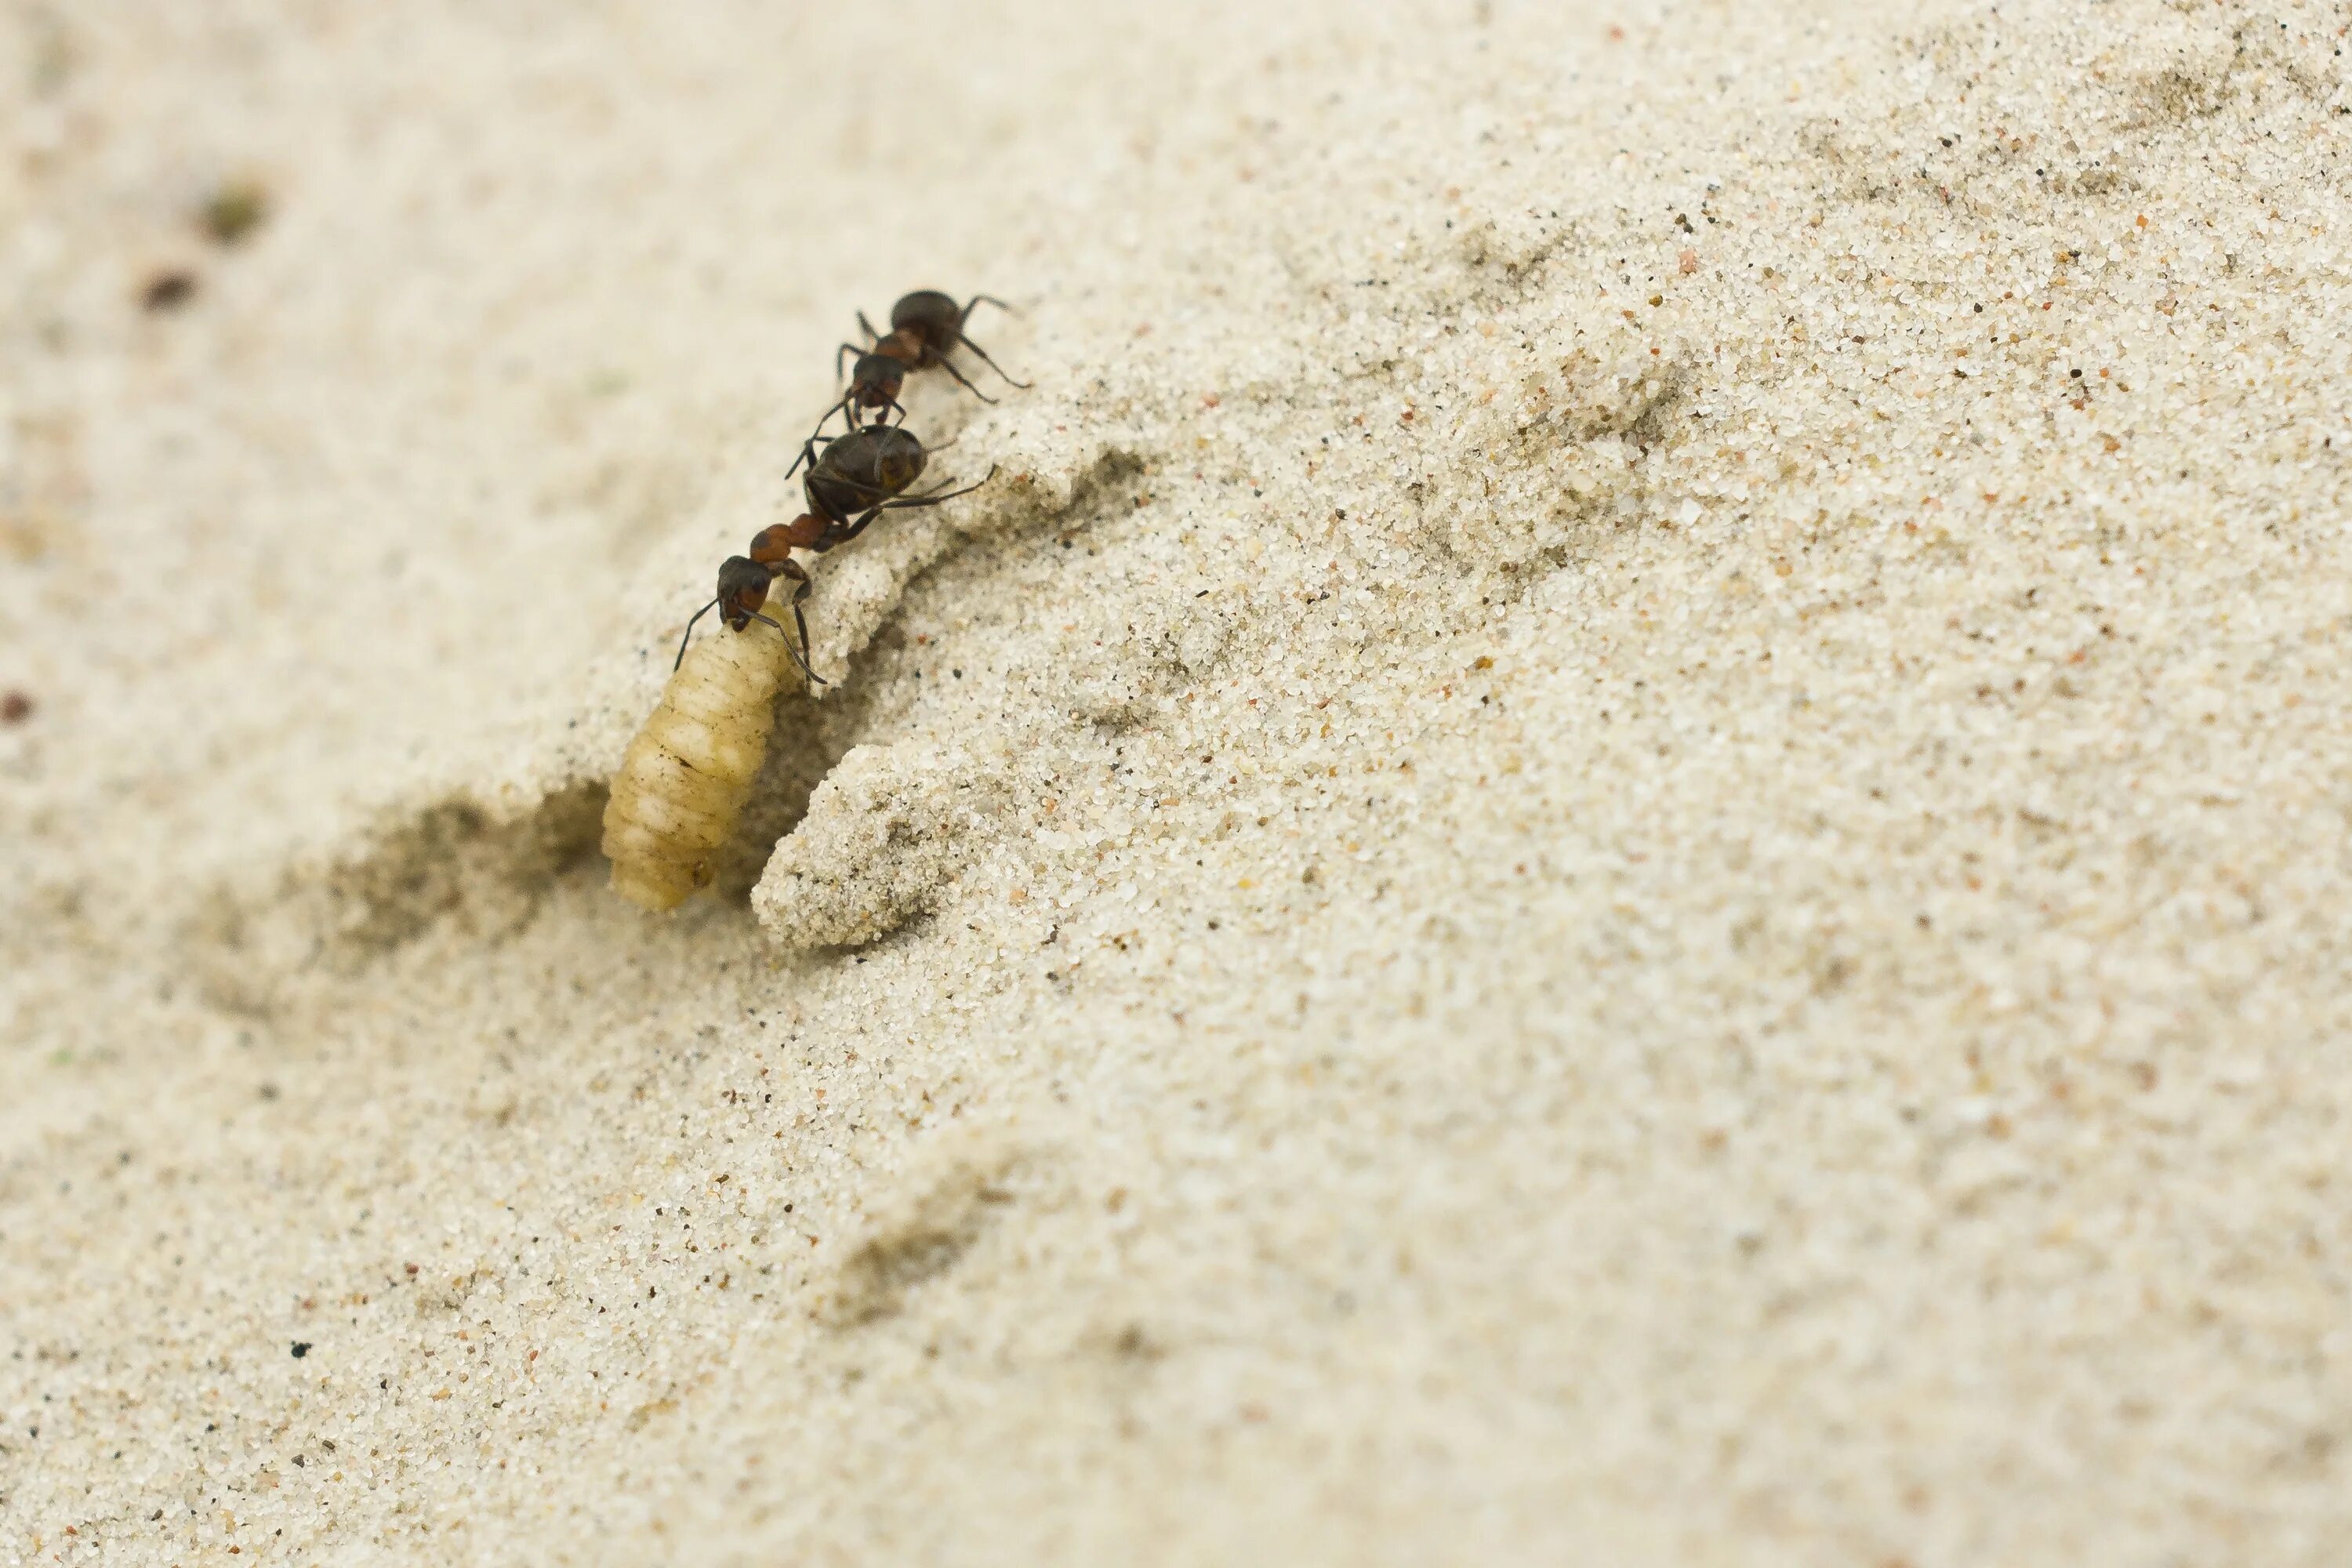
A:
[(1580, 863)]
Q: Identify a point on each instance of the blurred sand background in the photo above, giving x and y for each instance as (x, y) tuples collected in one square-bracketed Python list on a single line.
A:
[(1623, 840)]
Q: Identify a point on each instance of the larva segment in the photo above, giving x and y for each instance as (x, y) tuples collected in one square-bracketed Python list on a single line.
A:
[(685, 776)]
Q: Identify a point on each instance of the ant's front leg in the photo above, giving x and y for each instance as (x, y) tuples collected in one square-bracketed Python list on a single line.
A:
[(948, 366), (808, 449), (858, 527), (988, 361), (800, 585), (905, 503)]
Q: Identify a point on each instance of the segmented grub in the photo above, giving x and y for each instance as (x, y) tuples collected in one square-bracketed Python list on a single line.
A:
[(687, 775)]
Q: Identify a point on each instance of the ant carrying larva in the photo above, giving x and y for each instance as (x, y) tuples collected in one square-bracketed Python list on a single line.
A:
[(743, 583), (684, 778), (688, 773)]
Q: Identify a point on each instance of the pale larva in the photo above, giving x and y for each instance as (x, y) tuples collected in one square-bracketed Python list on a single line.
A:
[(687, 775)]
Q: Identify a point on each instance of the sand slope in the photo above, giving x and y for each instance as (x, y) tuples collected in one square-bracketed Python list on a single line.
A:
[(1622, 840)]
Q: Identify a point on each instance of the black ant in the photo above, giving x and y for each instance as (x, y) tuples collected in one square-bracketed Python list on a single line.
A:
[(925, 328), (856, 478)]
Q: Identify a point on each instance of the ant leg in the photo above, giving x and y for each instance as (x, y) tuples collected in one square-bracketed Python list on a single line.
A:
[(948, 366), (808, 449), (801, 590), (868, 328), (937, 497), (940, 491), (845, 349), (986, 361), (689, 634), (909, 503), (798, 657), (984, 299), (855, 528)]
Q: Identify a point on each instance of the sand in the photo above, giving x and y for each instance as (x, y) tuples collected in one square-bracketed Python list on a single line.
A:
[(1622, 837)]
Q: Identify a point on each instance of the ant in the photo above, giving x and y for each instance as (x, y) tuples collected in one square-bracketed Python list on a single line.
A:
[(866, 473), (925, 327), (743, 585)]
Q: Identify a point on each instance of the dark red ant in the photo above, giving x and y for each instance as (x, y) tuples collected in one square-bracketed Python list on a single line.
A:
[(856, 478), (925, 328), (742, 589)]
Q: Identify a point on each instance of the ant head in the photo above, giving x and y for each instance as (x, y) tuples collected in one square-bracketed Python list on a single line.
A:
[(876, 379), (742, 589)]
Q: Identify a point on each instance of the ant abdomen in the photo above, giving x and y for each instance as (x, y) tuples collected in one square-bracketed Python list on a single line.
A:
[(685, 778), (874, 464), (934, 318)]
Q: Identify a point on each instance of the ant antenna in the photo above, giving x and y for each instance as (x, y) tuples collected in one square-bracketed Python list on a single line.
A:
[(689, 634)]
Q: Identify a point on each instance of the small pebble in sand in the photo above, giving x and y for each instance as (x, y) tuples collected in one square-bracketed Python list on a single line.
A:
[(167, 289), (233, 211)]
